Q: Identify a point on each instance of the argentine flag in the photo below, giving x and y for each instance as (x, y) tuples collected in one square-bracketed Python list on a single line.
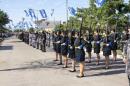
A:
[(43, 13), (32, 13), (72, 11), (100, 2)]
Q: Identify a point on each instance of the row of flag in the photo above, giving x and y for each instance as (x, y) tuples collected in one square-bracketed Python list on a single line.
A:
[(31, 13)]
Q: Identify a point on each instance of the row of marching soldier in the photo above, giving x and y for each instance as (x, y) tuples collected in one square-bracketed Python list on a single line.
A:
[(38, 40), (74, 45)]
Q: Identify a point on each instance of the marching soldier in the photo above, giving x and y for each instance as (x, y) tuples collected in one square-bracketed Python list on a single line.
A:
[(71, 49), (106, 50), (54, 35), (113, 39), (37, 40), (124, 38), (43, 40), (97, 40), (89, 40), (58, 46), (64, 48), (126, 54), (80, 53)]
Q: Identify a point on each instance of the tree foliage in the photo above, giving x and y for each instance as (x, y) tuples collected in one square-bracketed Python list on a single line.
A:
[(4, 19), (111, 14)]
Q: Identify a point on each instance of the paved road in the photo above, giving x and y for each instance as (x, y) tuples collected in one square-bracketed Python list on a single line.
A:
[(22, 65)]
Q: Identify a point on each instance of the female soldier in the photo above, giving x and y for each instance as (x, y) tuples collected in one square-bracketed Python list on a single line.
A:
[(58, 47), (106, 50), (80, 53), (89, 39), (71, 50), (54, 43), (126, 53), (64, 47), (113, 37), (97, 40)]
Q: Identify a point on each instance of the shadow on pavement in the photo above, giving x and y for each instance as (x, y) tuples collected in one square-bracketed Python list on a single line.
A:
[(115, 68), (15, 41), (6, 47)]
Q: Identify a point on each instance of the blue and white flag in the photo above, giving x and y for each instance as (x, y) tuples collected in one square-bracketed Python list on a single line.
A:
[(26, 12), (43, 13), (72, 11), (100, 2), (32, 13)]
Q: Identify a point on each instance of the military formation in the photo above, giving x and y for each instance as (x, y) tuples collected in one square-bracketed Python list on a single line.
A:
[(38, 40), (73, 45)]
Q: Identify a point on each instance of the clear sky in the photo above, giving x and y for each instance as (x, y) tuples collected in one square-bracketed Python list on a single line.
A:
[(15, 8)]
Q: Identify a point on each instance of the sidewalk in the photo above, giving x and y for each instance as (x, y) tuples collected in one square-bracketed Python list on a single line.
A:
[(22, 65)]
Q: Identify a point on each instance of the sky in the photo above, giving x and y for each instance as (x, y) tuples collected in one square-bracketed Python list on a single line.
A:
[(15, 8)]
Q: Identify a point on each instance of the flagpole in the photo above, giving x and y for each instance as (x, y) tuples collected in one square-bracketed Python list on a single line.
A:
[(67, 14)]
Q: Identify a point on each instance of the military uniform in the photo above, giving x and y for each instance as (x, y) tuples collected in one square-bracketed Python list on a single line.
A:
[(106, 46), (79, 50), (43, 41), (37, 40), (97, 40), (89, 39), (113, 40), (64, 45), (58, 44), (71, 48), (54, 41), (124, 39)]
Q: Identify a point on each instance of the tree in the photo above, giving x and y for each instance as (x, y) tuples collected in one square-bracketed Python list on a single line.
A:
[(4, 19)]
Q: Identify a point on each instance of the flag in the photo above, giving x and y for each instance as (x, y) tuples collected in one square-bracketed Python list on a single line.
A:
[(32, 13), (27, 14), (72, 11), (43, 13), (100, 2), (52, 12)]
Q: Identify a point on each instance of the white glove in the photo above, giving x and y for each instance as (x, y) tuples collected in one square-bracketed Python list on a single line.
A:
[(70, 47), (98, 42), (63, 44), (107, 44), (58, 42)]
